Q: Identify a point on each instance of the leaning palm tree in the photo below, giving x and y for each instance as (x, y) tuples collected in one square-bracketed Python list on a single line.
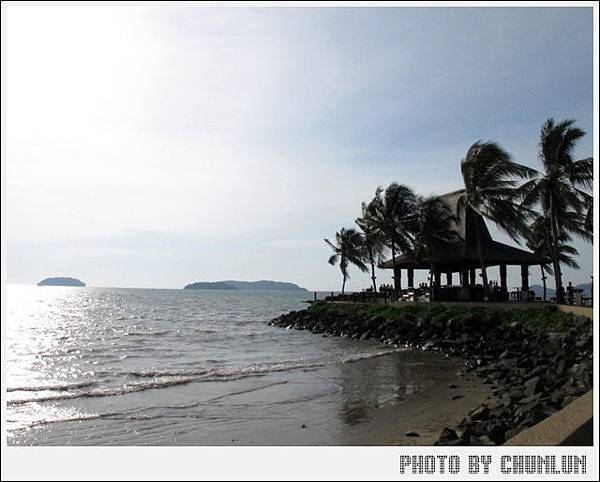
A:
[(538, 239), (435, 231), (393, 215), (490, 178), (372, 238), (560, 190), (348, 249)]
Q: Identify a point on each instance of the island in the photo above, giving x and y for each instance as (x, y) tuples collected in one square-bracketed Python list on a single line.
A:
[(209, 285), (262, 285), (61, 282)]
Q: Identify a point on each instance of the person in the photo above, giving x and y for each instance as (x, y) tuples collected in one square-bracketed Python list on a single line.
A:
[(570, 293)]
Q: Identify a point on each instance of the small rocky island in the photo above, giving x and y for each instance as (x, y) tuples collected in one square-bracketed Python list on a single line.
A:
[(262, 285), (59, 281)]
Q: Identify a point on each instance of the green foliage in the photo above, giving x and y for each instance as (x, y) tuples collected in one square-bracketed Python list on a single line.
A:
[(543, 318)]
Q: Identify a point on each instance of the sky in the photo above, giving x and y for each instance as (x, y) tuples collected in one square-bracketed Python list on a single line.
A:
[(157, 146)]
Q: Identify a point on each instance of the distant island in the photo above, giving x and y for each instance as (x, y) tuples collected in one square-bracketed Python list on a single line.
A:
[(61, 282), (262, 285), (209, 285)]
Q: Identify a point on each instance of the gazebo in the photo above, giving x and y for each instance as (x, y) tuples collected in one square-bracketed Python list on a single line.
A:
[(462, 257)]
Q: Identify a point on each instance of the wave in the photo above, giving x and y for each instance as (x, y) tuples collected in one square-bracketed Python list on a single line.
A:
[(55, 388), (81, 418), (105, 392), (169, 378), (149, 333)]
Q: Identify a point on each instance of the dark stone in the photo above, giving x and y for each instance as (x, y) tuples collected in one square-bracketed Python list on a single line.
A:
[(448, 434), (411, 434), (480, 413), (533, 385)]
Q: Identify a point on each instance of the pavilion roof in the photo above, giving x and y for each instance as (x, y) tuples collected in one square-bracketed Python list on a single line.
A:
[(463, 254)]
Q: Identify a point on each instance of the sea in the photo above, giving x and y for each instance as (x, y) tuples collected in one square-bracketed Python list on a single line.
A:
[(113, 366)]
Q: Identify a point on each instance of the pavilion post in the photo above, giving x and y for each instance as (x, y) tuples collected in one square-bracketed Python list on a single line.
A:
[(524, 277), (438, 278), (464, 278), (397, 279), (472, 278), (449, 279), (411, 277), (503, 277)]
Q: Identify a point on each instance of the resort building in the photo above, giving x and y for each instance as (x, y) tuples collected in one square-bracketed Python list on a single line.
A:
[(461, 258)]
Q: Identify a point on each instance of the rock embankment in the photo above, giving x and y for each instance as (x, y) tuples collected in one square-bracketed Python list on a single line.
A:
[(533, 372)]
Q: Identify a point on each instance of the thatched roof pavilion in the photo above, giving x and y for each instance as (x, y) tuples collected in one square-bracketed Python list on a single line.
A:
[(462, 257)]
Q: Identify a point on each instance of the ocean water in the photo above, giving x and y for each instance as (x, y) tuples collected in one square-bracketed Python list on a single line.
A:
[(103, 366)]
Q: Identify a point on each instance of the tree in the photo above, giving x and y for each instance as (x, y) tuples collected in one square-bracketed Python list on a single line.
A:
[(490, 178), (348, 249), (435, 223), (372, 237), (539, 237), (560, 189), (393, 215)]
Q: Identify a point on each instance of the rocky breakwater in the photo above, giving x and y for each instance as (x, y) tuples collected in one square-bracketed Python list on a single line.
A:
[(536, 361)]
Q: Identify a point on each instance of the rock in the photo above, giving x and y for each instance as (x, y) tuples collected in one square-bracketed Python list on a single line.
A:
[(482, 440), (457, 397), (530, 399), (411, 434), (303, 426), (480, 413), (447, 435), (532, 386), (566, 400), (515, 393)]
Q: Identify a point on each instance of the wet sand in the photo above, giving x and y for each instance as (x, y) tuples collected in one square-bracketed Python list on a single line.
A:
[(425, 414)]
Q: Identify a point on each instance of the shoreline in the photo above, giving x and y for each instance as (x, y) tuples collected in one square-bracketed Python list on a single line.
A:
[(533, 367)]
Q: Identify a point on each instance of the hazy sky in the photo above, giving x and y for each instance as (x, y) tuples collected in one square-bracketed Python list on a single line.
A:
[(152, 147)]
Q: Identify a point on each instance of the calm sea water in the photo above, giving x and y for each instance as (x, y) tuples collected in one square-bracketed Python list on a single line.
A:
[(193, 367)]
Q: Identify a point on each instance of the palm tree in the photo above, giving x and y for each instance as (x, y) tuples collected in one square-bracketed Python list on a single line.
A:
[(372, 237), (560, 190), (539, 237), (490, 178), (393, 215), (348, 249), (435, 231)]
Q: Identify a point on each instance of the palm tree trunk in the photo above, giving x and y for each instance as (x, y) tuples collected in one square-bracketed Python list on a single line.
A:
[(431, 275), (394, 265), (543, 280), (343, 284), (556, 262), (373, 277), (482, 264)]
